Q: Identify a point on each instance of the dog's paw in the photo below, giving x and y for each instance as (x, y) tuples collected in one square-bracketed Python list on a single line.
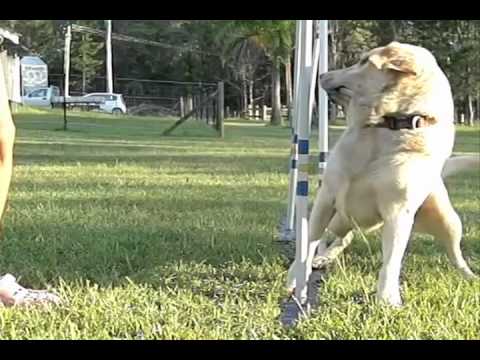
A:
[(469, 275), (392, 300), (321, 262), (290, 285)]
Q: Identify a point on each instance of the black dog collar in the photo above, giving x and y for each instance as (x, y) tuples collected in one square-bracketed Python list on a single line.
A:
[(409, 122)]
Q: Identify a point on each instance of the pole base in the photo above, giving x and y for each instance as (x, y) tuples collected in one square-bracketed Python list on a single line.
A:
[(293, 311), (286, 239)]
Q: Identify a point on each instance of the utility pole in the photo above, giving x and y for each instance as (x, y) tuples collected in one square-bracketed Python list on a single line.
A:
[(109, 56), (66, 58)]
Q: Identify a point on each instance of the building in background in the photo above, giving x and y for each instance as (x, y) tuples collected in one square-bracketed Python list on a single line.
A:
[(10, 52)]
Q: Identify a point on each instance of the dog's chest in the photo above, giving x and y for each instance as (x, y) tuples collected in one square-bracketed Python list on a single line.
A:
[(357, 199), (350, 174)]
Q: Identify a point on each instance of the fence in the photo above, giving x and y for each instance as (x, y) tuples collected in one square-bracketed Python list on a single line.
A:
[(185, 100), (144, 97)]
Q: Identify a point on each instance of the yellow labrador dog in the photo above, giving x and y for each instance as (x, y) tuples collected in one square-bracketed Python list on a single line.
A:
[(388, 166)]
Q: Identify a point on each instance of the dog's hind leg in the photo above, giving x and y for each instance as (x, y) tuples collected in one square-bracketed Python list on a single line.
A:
[(322, 213), (438, 218)]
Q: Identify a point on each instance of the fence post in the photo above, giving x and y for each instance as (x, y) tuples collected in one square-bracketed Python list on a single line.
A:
[(182, 107), (194, 107), (214, 111), (264, 112), (207, 112), (220, 109), (64, 113), (202, 110), (189, 103), (263, 107)]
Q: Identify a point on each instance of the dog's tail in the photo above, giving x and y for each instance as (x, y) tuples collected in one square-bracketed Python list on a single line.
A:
[(458, 164)]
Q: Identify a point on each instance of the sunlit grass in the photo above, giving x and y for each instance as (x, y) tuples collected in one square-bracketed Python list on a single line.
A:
[(174, 238)]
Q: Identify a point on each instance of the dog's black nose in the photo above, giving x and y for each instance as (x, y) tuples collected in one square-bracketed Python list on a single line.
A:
[(322, 76)]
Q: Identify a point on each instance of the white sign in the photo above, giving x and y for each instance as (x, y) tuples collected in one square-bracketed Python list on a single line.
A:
[(34, 76)]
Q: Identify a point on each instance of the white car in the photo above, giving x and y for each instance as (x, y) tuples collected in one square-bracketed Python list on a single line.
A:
[(41, 97), (114, 103)]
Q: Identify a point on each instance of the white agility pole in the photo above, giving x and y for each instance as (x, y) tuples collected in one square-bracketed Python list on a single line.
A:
[(307, 68), (313, 78), (323, 100), (290, 221), (302, 112)]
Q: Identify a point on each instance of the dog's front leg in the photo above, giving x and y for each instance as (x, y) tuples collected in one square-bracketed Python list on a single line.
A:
[(396, 233), (322, 212)]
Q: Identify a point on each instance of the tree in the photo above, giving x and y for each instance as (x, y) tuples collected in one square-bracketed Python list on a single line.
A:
[(252, 56), (275, 37), (86, 58)]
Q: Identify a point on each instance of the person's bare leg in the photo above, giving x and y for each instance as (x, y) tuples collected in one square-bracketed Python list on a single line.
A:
[(12, 293), (7, 137)]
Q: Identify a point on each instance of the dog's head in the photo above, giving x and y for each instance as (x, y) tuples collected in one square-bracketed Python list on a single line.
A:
[(397, 78)]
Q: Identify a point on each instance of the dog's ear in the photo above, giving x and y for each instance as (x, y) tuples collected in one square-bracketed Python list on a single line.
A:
[(400, 65), (389, 58), (377, 60)]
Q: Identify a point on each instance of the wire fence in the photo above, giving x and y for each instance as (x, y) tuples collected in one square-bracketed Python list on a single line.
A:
[(143, 96)]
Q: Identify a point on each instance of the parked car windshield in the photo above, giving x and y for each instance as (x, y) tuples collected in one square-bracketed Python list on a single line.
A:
[(38, 93)]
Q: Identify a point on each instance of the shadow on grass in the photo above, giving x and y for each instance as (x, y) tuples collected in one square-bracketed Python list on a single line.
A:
[(106, 239)]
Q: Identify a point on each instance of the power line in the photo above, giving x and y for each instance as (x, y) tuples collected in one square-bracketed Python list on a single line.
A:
[(131, 39), (167, 82)]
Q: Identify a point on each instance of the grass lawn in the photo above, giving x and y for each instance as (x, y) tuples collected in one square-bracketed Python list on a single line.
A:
[(174, 238)]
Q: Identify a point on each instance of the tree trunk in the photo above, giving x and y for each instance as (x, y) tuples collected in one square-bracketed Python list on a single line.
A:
[(84, 68), (251, 111), (471, 114), (394, 30), (264, 103), (288, 83), (244, 96), (288, 90), (478, 107), (469, 100), (276, 98), (84, 80), (459, 114), (333, 62)]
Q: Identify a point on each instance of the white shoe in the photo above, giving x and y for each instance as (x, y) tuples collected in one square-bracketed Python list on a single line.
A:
[(13, 294)]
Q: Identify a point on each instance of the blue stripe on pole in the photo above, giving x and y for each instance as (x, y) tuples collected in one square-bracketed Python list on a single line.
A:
[(303, 147), (323, 156), (294, 164), (302, 188), (295, 139)]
